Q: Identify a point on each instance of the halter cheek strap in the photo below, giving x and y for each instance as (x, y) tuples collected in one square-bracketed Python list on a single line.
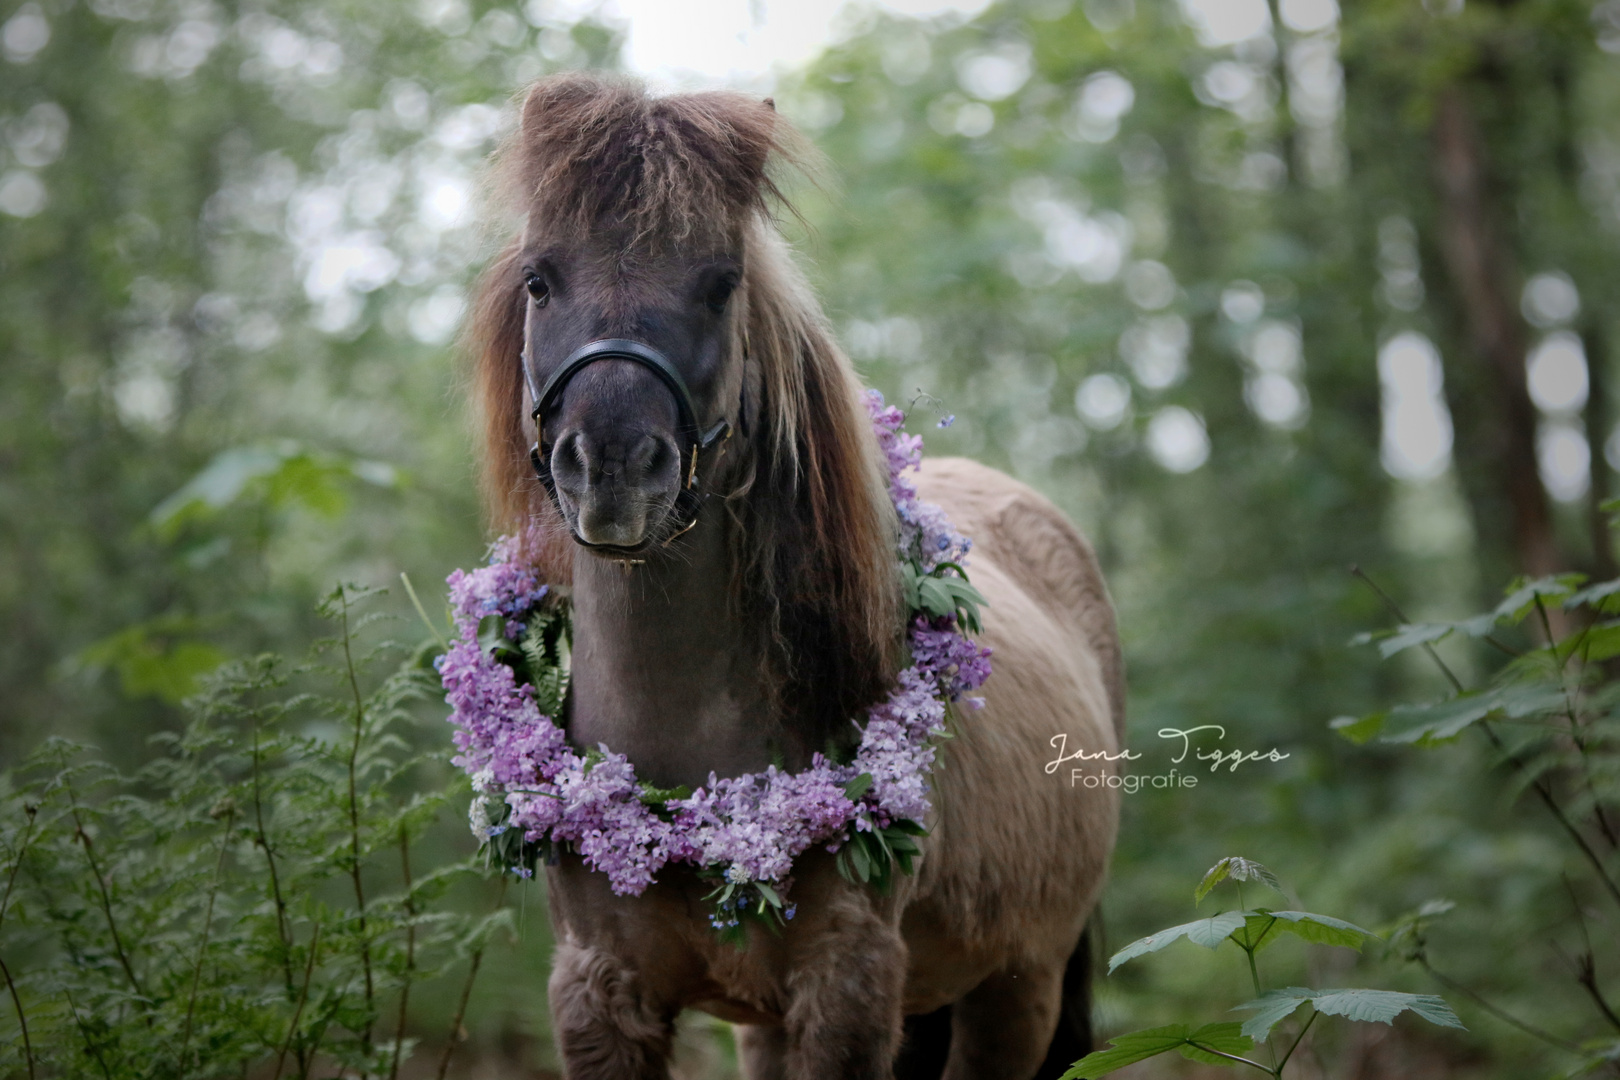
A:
[(636, 352)]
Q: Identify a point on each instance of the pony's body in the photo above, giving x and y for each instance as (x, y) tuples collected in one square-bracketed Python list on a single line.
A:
[(1010, 871), (755, 629)]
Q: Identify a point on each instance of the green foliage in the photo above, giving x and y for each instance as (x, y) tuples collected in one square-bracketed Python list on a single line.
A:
[(871, 856), (1252, 931), (282, 475), (245, 900), (1238, 869), (1197, 1044), (1366, 1006), (942, 591), (160, 657), (541, 657), (1551, 717)]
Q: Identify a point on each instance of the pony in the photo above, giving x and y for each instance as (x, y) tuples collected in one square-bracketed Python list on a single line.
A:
[(699, 469)]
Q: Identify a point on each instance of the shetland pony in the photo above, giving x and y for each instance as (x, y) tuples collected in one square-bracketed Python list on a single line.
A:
[(737, 602)]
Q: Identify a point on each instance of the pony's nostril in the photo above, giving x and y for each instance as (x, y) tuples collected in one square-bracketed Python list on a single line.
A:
[(650, 457), (568, 460)]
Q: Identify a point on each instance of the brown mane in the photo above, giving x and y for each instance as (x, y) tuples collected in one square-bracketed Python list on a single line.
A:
[(810, 521)]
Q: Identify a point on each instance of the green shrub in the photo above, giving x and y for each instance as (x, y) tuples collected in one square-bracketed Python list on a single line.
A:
[(246, 901)]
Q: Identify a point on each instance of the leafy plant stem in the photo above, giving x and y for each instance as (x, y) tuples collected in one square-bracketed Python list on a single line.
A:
[(410, 947), (1506, 1017), (22, 1021), (1395, 609), (1586, 966), (106, 901), (303, 996), (202, 945), (1230, 1057), (1254, 977), (420, 610), (22, 849), (1573, 715), (89, 1044), (1544, 791), (1297, 1040), (1538, 784), (466, 994), (354, 809), (263, 841)]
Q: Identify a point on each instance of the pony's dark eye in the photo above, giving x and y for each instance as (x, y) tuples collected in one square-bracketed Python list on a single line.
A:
[(720, 292), (537, 287)]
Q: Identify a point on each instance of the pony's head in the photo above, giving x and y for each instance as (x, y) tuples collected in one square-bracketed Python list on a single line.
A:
[(646, 309)]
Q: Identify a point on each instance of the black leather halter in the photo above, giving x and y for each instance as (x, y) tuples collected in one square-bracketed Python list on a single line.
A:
[(697, 440)]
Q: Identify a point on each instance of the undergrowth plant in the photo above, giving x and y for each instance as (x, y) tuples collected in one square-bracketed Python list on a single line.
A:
[(1550, 716), (245, 903), (1258, 1042)]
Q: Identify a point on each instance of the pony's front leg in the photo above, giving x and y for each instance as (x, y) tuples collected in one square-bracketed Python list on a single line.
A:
[(843, 1019), (606, 1028)]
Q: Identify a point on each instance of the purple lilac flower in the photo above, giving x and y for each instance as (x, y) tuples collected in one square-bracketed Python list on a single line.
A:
[(753, 826)]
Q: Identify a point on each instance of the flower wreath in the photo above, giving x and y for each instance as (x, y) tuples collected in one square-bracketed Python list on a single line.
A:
[(506, 675)]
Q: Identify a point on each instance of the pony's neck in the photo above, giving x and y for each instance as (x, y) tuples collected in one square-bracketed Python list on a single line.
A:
[(665, 670)]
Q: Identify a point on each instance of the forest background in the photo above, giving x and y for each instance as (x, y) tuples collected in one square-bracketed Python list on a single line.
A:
[(1255, 300)]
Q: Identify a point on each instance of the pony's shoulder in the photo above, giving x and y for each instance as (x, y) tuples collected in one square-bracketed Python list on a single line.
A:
[(1030, 540)]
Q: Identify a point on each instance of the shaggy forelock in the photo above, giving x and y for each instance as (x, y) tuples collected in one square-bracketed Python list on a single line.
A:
[(594, 153)]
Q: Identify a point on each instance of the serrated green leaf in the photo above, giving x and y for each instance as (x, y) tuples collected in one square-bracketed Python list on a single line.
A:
[(1226, 1037), (1270, 1008), (1430, 724), (1382, 1006), (1522, 594), (1359, 729), (1319, 929), (1366, 1006), (1238, 869), (1412, 636), (1593, 645), (1128, 1050), (1604, 596), (1208, 932), (1140, 1045)]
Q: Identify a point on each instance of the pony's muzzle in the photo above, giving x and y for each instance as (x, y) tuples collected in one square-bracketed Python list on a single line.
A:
[(615, 491)]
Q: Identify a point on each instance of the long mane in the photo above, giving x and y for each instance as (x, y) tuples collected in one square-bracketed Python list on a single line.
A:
[(809, 520)]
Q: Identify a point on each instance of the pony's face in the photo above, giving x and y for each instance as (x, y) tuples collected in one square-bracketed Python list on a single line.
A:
[(619, 453)]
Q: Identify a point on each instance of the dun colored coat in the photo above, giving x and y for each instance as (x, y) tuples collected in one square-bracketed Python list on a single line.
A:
[(756, 630)]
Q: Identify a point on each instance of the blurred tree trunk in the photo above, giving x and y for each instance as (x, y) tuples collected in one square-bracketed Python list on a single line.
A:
[(1483, 278), (1599, 420)]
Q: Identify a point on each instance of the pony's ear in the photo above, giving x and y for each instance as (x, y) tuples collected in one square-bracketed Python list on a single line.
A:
[(749, 132), (562, 106)]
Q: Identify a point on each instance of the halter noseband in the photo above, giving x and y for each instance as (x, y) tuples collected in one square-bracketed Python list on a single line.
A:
[(697, 440)]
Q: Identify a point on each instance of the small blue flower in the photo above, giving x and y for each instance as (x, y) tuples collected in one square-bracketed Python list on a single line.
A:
[(790, 911), (948, 420)]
